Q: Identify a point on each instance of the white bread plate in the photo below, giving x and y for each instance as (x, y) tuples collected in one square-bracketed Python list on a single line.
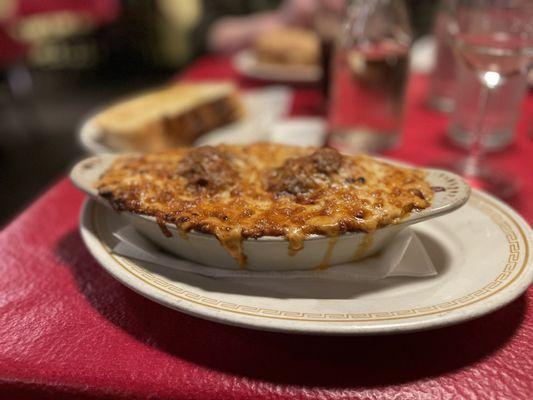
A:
[(272, 253)]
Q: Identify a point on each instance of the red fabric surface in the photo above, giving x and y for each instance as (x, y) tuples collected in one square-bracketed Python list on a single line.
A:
[(11, 51), (69, 330), (101, 11)]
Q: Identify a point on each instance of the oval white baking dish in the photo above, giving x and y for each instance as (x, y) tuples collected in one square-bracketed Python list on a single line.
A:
[(272, 253)]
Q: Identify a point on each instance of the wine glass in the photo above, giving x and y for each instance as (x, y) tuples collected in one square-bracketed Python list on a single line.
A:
[(494, 39)]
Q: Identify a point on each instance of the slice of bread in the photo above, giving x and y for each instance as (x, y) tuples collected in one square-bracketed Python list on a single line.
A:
[(289, 46), (167, 117)]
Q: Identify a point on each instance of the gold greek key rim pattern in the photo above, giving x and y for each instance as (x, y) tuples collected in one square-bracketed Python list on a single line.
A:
[(509, 274)]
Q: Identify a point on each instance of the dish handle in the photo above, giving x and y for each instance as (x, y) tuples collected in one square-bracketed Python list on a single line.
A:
[(86, 172), (450, 192)]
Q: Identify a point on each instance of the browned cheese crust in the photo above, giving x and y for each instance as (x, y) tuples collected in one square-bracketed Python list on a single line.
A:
[(237, 192)]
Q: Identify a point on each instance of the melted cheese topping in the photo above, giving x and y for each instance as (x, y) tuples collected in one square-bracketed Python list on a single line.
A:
[(237, 192)]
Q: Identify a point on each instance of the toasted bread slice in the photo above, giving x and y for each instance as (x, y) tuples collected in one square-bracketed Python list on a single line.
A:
[(171, 116), (290, 46)]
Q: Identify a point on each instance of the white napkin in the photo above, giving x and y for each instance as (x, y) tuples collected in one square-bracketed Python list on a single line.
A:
[(405, 256)]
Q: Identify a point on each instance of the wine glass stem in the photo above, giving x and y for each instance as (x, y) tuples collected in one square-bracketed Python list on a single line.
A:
[(474, 155)]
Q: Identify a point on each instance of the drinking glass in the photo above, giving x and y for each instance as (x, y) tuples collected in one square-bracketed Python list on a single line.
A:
[(494, 39), (368, 75), (442, 79), (501, 114), (327, 23)]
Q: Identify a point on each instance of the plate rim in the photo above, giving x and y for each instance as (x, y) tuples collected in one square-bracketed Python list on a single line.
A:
[(519, 283), (307, 74)]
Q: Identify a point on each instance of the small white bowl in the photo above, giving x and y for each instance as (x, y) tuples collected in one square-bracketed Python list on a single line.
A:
[(272, 253)]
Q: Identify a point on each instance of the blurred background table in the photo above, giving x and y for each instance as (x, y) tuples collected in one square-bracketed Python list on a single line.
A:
[(69, 330)]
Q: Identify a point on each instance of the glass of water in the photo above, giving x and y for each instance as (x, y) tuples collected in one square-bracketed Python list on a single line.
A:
[(368, 75), (501, 114), (442, 82)]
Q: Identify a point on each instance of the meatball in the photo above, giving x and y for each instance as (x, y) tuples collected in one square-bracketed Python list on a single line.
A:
[(208, 169), (301, 175)]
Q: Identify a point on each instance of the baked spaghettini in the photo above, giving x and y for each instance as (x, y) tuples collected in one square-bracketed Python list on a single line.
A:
[(239, 192), (168, 117), (291, 46)]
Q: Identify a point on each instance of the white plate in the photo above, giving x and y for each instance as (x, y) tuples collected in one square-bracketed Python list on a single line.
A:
[(246, 63), (264, 107), (482, 252)]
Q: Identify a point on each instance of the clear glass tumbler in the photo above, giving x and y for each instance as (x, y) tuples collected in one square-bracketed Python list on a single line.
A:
[(368, 75), (501, 115), (443, 77)]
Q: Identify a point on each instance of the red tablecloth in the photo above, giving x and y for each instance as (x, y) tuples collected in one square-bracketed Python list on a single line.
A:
[(100, 11), (69, 330)]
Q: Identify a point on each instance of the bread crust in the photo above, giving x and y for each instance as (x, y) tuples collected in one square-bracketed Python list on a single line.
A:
[(166, 129)]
